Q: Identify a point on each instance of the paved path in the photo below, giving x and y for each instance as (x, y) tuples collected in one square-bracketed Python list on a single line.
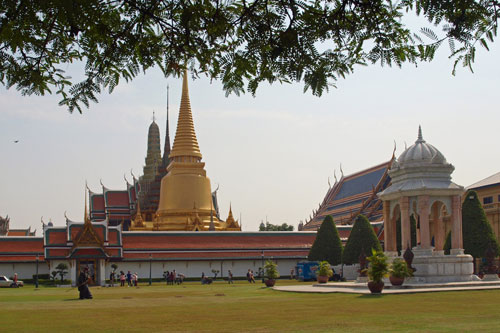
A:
[(361, 288)]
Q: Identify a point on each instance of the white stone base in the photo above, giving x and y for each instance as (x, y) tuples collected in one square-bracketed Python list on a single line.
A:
[(437, 268), (491, 277), (362, 279)]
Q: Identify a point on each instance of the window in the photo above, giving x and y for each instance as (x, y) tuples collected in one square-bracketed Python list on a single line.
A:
[(487, 200)]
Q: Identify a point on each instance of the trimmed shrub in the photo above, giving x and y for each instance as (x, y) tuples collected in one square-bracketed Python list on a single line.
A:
[(413, 232), (362, 237), (447, 243), (327, 245), (476, 229)]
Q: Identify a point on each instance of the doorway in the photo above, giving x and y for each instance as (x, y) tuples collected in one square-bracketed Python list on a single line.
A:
[(92, 265)]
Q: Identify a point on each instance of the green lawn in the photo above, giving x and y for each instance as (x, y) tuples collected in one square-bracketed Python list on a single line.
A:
[(242, 307)]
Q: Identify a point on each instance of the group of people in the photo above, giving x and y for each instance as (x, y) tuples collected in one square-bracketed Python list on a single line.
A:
[(250, 276), (173, 277), (130, 278)]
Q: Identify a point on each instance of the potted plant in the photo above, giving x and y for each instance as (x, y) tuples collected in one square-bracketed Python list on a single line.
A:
[(324, 272), (398, 272), (376, 271), (271, 273)]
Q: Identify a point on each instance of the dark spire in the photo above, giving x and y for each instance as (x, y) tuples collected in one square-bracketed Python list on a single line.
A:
[(166, 149)]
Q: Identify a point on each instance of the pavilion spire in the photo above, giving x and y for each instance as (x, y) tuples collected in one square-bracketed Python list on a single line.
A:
[(420, 137), (185, 142)]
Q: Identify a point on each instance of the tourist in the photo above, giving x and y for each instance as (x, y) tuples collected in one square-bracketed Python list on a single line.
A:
[(292, 274), (165, 275), (122, 279), (248, 276), (180, 278), (15, 279), (135, 277), (129, 278), (203, 278), (83, 281), (171, 278), (112, 278), (174, 276), (229, 276), (252, 278)]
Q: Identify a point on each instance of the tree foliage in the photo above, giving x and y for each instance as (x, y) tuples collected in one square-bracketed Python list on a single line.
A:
[(327, 246), (62, 269), (241, 43), (362, 238), (275, 227), (478, 235)]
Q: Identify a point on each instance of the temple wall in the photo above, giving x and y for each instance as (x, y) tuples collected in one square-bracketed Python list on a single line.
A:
[(23, 270), (193, 269)]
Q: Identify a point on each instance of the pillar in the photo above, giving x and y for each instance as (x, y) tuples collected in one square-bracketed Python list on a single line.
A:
[(438, 229), (72, 272), (423, 212), (389, 229), (404, 204), (456, 226)]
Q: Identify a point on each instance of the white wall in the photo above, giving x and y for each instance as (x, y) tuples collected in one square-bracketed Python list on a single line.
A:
[(190, 269), (194, 269), (23, 270)]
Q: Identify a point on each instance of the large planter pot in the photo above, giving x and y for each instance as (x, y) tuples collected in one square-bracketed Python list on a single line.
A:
[(396, 281), (322, 278), (375, 287), (270, 282)]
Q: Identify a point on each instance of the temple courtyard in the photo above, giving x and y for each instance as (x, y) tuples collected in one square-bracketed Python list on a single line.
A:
[(242, 307)]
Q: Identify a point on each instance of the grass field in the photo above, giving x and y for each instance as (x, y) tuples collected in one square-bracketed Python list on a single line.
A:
[(242, 307)]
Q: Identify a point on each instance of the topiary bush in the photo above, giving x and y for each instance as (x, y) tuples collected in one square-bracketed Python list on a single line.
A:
[(327, 246), (413, 233), (362, 237), (476, 229)]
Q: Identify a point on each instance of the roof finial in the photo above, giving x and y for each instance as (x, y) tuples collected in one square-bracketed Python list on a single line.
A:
[(153, 115), (420, 137)]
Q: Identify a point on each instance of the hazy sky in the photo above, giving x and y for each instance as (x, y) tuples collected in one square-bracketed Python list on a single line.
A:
[(271, 155)]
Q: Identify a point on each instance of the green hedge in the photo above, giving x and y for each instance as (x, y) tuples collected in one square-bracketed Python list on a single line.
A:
[(327, 246), (362, 237)]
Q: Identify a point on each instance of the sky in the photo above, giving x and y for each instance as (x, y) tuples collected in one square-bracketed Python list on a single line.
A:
[(271, 155)]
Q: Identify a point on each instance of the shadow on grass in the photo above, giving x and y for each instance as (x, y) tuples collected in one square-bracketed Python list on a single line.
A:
[(371, 296), (73, 299)]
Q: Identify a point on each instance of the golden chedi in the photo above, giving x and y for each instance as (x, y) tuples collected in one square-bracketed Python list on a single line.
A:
[(185, 195)]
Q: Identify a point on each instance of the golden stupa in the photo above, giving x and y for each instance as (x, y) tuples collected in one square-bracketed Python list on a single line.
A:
[(185, 196)]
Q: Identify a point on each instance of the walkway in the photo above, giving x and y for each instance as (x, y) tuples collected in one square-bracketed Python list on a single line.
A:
[(361, 288)]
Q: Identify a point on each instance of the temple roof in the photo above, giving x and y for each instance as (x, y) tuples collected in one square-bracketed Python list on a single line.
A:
[(488, 181), (353, 195)]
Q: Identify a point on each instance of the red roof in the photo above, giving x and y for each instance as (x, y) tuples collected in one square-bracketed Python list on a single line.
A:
[(117, 199), (17, 245), (219, 240), (215, 254)]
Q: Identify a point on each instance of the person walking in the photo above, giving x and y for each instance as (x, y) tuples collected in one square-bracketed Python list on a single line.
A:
[(122, 279), (229, 276), (135, 277), (129, 278)]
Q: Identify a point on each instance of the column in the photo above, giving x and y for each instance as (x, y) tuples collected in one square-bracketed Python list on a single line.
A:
[(423, 212), (73, 274), (389, 229), (456, 226), (438, 229), (404, 204), (102, 272)]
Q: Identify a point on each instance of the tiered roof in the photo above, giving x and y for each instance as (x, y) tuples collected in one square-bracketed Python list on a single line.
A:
[(353, 195)]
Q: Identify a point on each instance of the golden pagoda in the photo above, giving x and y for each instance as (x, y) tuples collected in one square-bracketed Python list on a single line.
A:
[(185, 195)]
